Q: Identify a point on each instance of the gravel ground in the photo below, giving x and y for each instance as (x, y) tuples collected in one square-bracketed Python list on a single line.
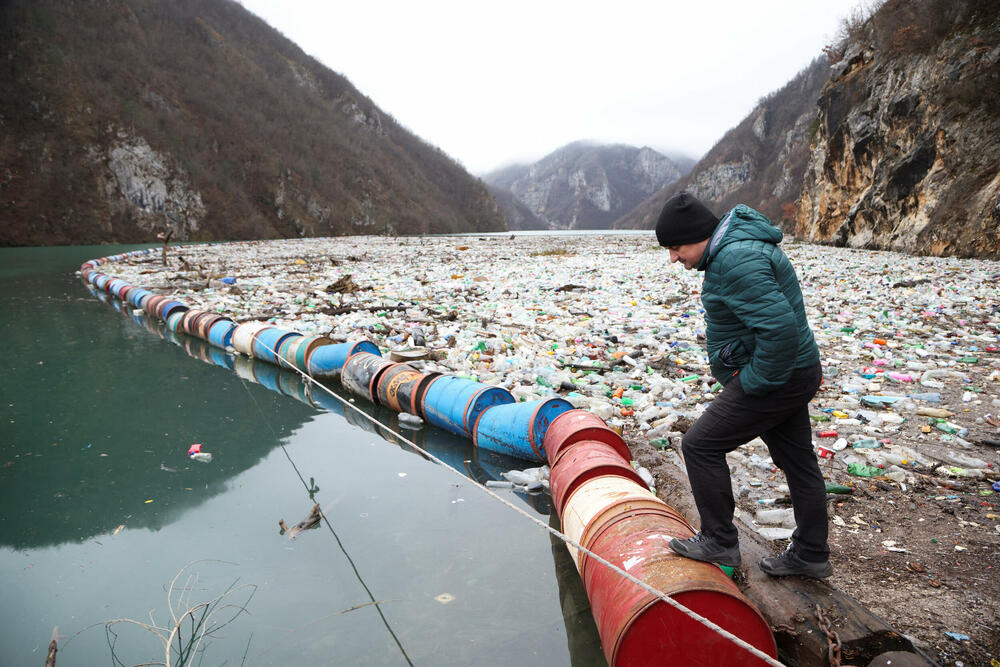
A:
[(605, 321)]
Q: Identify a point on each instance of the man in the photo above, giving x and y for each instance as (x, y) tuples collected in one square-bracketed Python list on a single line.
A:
[(761, 349)]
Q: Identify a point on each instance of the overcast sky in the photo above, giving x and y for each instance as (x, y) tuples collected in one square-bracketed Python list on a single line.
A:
[(493, 83)]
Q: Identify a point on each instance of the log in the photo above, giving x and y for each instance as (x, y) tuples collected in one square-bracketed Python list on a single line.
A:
[(788, 603)]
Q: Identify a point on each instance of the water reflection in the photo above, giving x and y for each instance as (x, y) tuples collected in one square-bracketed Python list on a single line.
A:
[(80, 380), (458, 453)]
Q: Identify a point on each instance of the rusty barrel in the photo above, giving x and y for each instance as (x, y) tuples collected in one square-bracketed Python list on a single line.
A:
[(454, 403), (417, 394), (203, 325), (518, 429), (638, 628), (576, 426), (361, 370), (150, 304), (327, 362), (396, 386), (600, 500), (586, 460)]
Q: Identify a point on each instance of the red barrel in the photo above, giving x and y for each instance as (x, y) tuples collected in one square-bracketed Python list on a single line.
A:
[(586, 460), (396, 384), (601, 500), (576, 426), (638, 628)]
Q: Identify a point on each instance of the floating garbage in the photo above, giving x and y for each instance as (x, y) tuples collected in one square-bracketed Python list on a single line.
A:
[(619, 334)]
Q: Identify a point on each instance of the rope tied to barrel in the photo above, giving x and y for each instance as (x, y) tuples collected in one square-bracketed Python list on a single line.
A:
[(544, 526)]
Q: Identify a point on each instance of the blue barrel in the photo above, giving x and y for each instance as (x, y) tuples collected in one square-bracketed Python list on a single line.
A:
[(221, 333), (320, 398), (267, 341), (291, 384), (220, 357), (267, 375), (135, 297), (518, 429), (170, 307), (454, 403), (325, 362)]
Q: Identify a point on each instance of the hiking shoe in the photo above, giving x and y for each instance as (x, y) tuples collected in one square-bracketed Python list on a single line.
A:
[(704, 548), (788, 563)]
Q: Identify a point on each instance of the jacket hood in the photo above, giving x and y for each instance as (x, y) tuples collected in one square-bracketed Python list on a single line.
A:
[(741, 224)]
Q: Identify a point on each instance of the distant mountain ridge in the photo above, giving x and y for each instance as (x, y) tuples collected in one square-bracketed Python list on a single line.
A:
[(124, 118), (584, 185), (759, 162)]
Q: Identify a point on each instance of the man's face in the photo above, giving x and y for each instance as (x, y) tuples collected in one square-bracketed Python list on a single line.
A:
[(688, 254)]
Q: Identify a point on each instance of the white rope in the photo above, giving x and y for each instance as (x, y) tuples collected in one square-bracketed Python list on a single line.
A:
[(565, 538)]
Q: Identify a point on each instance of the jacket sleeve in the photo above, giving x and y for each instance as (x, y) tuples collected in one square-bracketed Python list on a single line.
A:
[(754, 296)]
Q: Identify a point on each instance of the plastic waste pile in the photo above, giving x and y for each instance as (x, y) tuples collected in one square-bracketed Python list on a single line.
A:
[(606, 324)]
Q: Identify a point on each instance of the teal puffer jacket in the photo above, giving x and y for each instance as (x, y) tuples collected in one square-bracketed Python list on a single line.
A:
[(755, 322)]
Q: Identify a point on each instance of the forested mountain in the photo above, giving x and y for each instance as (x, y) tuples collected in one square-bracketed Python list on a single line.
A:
[(585, 185), (123, 118)]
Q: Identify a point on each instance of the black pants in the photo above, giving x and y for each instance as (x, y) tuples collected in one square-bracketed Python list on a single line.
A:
[(781, 419)]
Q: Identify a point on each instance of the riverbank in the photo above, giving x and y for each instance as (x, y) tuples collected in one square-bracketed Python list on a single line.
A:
[(606, 322)]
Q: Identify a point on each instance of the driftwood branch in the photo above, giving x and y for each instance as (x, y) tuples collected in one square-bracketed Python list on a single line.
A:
[(166, 241)]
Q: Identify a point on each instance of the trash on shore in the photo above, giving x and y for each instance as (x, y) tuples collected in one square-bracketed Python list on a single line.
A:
[(619, 332)]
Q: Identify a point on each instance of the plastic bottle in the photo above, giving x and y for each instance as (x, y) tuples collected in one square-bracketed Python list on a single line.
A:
[(776, 517), (410, 421), (929, 396), (204, 457)]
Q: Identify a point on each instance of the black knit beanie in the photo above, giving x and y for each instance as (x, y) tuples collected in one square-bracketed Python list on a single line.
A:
[(683, 220)]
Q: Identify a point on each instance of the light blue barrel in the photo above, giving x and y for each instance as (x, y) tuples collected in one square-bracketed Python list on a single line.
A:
[(326, 362), (320, 398), (267, 375), (267, 341), (454, 403), (221, 333), (135, 296), (518, 429), (102, 280), (220, 357)]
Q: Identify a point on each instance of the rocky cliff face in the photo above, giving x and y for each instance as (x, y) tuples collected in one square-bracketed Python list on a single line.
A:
[(587, 186), (907, 150), (760, 162), (124, 118)]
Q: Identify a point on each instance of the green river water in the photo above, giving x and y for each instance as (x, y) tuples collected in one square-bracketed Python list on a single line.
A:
[(101, 508)]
